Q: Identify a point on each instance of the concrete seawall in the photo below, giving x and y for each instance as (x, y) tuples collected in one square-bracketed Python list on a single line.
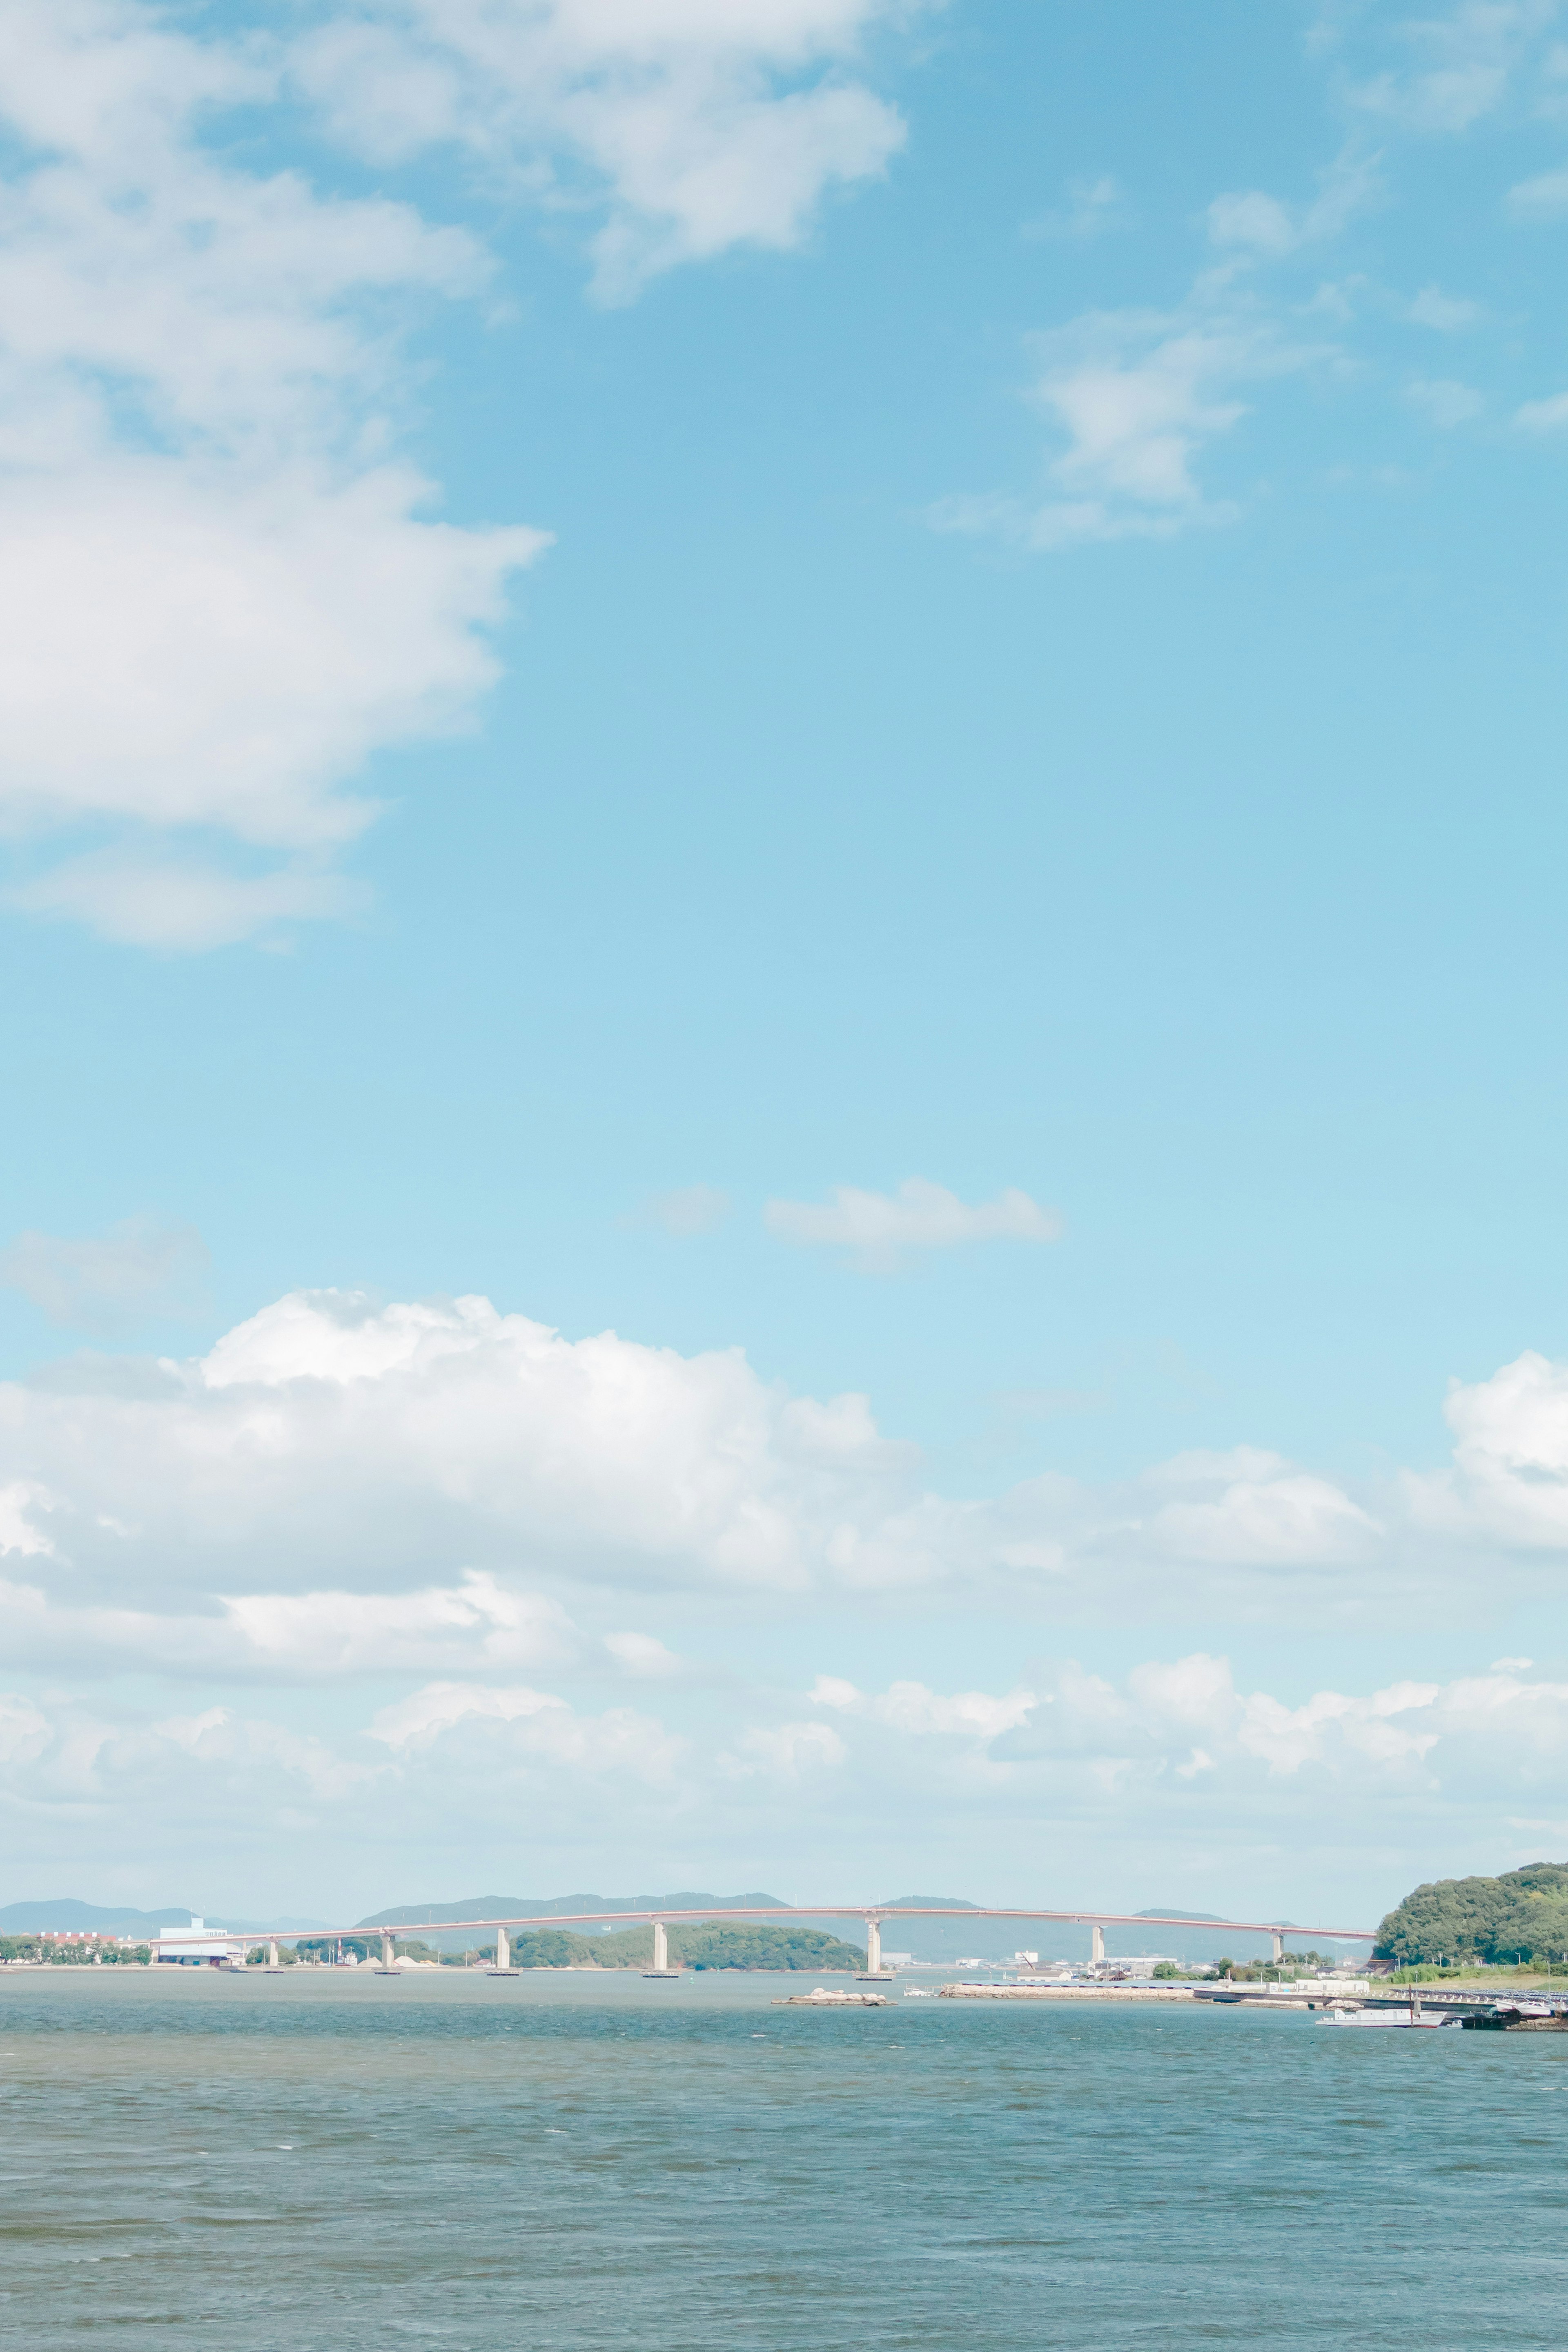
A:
[(1064, 1992)]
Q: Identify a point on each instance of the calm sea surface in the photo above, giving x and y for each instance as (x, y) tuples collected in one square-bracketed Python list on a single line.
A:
[(571, 2161)]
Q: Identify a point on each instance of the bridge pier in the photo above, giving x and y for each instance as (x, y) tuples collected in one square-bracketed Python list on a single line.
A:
[(1279, 1936), (388, 1954), (873, 1968), (1096, 1944), (661, 1966), (274, 1965)]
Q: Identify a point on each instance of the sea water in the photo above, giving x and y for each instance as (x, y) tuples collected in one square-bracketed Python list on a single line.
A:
[(553, 2161)]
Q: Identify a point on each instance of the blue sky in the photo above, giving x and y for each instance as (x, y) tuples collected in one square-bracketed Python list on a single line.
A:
[(633, 631)]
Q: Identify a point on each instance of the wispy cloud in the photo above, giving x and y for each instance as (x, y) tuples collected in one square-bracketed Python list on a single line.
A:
[(1443, 403), (1548, 416), (1452, 70), (1093, 208), (692, 1208), (1268, 227), (109, 1283), (881, 1229)]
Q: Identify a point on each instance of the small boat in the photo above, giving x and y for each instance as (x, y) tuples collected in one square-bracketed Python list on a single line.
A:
[(1405, 2017)]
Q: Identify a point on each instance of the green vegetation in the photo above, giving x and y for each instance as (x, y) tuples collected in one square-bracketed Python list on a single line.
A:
[(73, 1955), (1520, 1918), (1274, 1971), (764, 1947), (715, 1945)]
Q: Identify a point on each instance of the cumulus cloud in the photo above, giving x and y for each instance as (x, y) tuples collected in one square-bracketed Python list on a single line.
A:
[(911, 1707), (109, 1283), (1509, 1478), (1137, 396), (339, 1488), (882, 1228), (644, 1655), (691, 125), (221, 591), (1499, 1736), (543, 1729)]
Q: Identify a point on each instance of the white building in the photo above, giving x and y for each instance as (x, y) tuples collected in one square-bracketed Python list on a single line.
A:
[(200, 1946)]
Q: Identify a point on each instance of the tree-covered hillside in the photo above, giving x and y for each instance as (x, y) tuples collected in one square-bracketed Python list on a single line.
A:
[(715, 1945), (1522, 1915)]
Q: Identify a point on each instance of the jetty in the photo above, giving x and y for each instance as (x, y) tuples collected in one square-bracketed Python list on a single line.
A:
[(822, 1998), (1517, 2020)]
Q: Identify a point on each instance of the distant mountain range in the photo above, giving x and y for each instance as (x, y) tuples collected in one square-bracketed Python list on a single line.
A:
[(112, 1919), (943, 1940)]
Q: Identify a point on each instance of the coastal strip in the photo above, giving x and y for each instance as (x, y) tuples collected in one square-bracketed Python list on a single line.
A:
[(1064, 1992)]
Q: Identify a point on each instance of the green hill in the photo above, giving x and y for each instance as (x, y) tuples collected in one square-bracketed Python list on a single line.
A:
[(716, 1946), (1522, 1915)]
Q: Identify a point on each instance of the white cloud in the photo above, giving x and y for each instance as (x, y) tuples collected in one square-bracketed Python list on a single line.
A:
[(1138, 395), (293, 1637), (539, 1728), (881, 1228), (1545, 197), (109, 1283), (179, 905), (1456, 68), (218, 593), (911, 1707), (337, 1489), (1549, 415), (791, 1752), (19, 1532), (694, 1209), (694, 125), (643, 1655), (1093, 208), (1509, 1479), (1253, 1505), (1483, 1735), (1444, 403), (1254, 223), (221, 594), (1447, 313)]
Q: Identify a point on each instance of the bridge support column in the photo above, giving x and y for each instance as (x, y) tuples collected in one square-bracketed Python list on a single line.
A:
[(273, 1963), (660, 1948), (1096, 1943), (873, 1948), (1278, 1934), (503, 1953)]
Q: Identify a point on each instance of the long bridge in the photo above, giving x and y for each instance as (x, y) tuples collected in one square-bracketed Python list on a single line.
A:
[(871, 1913)]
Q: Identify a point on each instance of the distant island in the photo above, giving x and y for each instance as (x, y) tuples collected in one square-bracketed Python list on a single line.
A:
[(1520, 1918), (718, 1945)]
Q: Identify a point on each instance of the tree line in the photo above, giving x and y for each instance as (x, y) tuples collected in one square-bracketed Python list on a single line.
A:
[(1521, 1916)]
